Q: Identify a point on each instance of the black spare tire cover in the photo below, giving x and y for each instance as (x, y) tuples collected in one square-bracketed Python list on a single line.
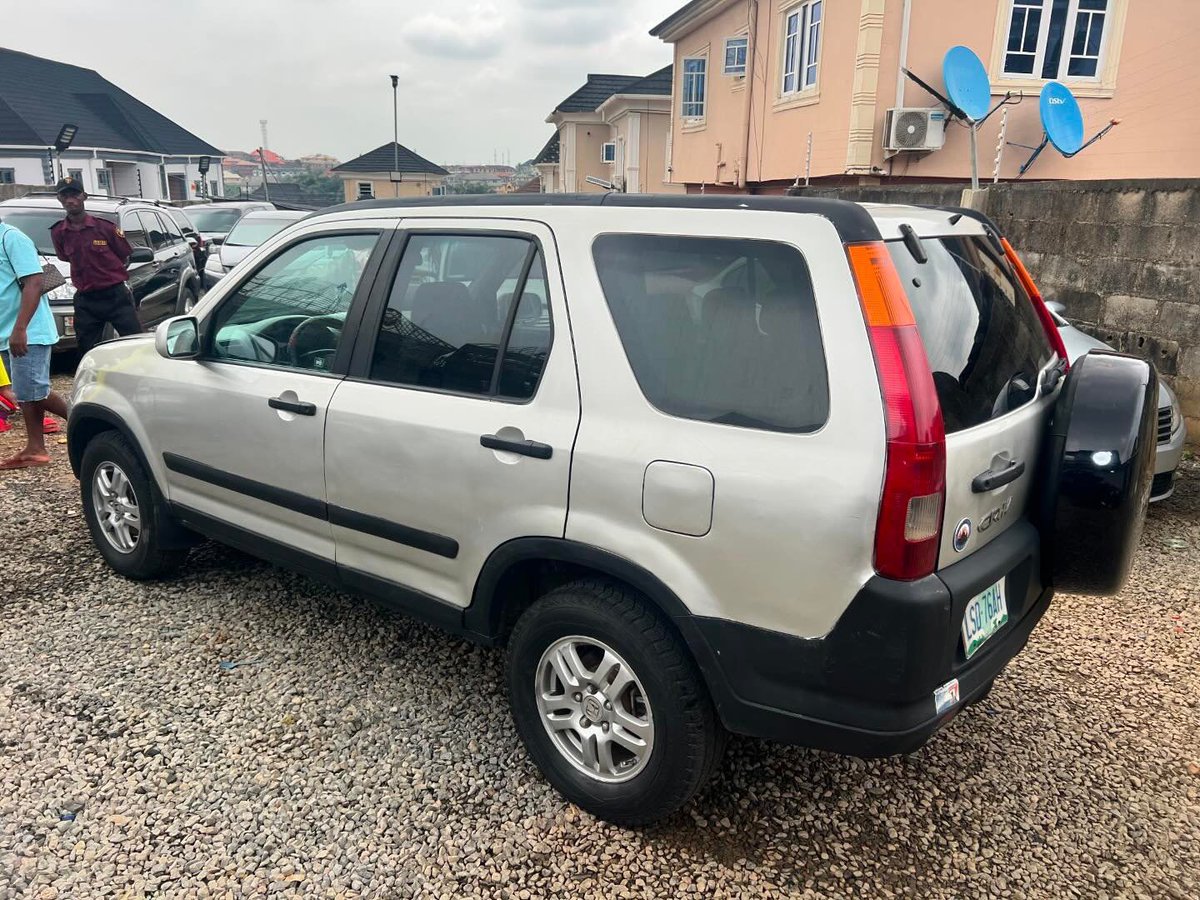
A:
[(1101, 463)]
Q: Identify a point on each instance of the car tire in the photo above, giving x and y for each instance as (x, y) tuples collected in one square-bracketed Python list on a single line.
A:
[(187, 301), (616, 637), (116, 493)]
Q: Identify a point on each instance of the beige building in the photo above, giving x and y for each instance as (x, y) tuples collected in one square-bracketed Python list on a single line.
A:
[(755, 79), (390, 171), (614, 129)]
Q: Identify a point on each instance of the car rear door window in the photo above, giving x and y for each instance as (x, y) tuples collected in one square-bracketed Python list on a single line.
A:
[(721, 330), (456, 301), (155, 230), (985, 343), (135, 231)]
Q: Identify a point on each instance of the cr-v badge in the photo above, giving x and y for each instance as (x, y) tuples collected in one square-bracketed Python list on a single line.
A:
[(962, 534)]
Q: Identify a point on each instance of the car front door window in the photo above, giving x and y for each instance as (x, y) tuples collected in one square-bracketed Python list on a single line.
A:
[(291, 311)]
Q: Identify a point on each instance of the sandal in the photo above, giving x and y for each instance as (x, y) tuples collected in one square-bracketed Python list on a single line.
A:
[(50, 425)]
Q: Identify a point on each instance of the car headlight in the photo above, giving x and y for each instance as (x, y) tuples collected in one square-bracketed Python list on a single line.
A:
[(213, 264), (62, 292), (1176, 413)]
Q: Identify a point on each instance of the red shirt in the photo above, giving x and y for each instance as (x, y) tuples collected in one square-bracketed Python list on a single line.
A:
[(97, 251)]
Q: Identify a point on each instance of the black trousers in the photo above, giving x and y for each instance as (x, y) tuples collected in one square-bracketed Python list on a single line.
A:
[(107, 306)]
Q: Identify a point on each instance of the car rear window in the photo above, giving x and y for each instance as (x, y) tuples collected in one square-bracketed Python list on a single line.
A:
[(718, 329), (985, 343)]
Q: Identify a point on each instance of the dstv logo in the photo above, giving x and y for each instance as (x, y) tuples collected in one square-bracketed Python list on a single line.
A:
[(1057, 101)]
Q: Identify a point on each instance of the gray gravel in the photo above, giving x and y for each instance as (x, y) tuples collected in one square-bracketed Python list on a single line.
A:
[(352, 753)]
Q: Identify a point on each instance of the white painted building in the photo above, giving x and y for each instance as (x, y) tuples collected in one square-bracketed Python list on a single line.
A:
[(121, 146)]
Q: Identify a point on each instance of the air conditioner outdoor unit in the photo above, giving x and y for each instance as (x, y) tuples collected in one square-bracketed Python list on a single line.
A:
[(907, 128)]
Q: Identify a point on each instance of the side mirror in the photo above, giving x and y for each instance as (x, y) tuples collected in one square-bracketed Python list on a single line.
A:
[(192, 242), (178, 338), (141, 255)]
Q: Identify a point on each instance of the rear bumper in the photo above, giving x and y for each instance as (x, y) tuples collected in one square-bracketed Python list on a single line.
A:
[(64, 321), (867, 688)]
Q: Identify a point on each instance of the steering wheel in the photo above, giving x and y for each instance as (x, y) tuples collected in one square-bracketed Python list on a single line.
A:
[(322, 331)]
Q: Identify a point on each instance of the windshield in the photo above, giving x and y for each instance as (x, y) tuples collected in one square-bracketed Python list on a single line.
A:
[(252, 232), (36, 224), (214, 220), (985, 342)]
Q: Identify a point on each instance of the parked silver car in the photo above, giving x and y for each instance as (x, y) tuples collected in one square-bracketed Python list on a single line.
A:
[(1171, 431), (794, 468), (251, 230)]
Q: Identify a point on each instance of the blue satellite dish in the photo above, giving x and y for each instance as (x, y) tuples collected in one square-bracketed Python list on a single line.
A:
[(967, 82), (1062, 118)]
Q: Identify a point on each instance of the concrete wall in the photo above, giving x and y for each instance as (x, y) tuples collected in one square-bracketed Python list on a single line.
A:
[(385, 189), (1123, 256)]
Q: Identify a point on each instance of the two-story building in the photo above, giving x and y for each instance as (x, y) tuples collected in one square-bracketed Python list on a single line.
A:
[(615, 129), (767, 90), (120, 147)]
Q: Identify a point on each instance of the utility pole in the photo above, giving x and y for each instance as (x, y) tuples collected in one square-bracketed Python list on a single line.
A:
[(262, 123), (396, 132), (262, 158)]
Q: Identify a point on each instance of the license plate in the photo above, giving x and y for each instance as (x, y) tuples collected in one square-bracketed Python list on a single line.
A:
[(68, 326), (985, 615)]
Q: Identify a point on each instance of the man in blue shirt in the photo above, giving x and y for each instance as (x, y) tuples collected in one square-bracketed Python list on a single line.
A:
[(27, 335)]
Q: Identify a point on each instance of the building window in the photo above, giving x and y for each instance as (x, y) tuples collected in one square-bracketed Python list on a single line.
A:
[(695, 78), (103, 181), (366, 190), (8, 176), (608, 152), (1056, 39), (735, 55), (801, 46)]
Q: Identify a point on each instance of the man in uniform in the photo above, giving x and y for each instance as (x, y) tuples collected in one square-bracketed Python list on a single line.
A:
[(97, 251)]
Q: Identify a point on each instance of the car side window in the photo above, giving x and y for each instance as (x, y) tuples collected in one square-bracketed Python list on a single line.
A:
[(153, 227), (457, 300), (290, 312), (174, 235), (135, 231)]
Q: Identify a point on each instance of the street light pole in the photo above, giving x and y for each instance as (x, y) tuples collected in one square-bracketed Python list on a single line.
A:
[(396, 130)]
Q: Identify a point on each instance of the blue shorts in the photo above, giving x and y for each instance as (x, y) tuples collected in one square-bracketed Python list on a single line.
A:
[(30, 374)]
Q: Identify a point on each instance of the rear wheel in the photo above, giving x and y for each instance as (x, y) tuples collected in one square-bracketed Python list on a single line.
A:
[(125, 512), (609, 705), (187, 301)]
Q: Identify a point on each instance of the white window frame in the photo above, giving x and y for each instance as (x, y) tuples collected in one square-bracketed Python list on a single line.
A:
[(369, 194), (693, 111), (608, 152), (11, 175), (737, 43), (798, 47), (1074, 13)]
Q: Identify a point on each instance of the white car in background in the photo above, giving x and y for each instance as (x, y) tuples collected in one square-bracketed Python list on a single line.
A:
[(1172, 432), (251, 230)]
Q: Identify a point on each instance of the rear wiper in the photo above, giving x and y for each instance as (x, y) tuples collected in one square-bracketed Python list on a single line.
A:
[(913, 243)]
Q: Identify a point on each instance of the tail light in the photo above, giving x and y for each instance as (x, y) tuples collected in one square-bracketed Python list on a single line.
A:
[(1039, 304), (908, 533)]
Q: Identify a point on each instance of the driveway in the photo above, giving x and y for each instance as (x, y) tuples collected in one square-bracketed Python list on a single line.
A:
[(242, 731)]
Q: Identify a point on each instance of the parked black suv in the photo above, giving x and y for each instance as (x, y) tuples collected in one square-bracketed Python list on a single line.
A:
[(163, 288)]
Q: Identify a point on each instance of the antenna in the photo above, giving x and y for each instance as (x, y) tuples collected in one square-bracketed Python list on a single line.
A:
[(1062, 124), (970, 93)]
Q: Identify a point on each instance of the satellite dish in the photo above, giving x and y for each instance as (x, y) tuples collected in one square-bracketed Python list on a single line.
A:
[(967, 83), (1062, 119), (1062, 124)]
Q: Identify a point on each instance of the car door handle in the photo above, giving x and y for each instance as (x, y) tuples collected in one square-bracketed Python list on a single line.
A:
[(525, 448), (995, 478), (299, 407)]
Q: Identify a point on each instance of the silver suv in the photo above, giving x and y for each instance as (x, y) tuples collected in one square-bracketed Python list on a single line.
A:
[(798, 469)]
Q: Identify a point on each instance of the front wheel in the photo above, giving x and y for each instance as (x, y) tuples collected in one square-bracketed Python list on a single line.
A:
[(187, 301), (610, 705), (125, 512)]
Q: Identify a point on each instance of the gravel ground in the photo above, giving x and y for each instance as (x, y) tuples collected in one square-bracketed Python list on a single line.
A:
[(354, 753)]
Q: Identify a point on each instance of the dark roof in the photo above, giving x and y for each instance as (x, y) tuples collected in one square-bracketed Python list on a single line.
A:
[(854, 224), (549, 153), (655, 83), (595, 91), (37, 96), (532, 186), (383, 159)]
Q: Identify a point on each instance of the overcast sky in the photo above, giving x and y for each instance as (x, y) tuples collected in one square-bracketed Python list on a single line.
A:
[(476, 76)]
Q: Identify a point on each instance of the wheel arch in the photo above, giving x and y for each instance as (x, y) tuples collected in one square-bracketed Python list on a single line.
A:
[(89, 420)]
